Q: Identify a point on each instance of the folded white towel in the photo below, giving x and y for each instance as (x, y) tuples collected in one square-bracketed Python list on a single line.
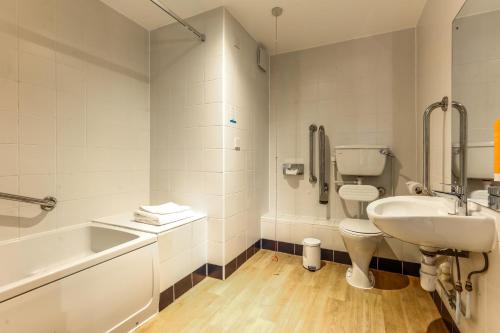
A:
[(159, 219), (166, 208)]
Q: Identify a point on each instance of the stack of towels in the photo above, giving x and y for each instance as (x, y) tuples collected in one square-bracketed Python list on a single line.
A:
[(162, 214)]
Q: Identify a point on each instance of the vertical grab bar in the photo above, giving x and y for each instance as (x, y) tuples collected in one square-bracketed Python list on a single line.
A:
[(312, 178), (323, 185)]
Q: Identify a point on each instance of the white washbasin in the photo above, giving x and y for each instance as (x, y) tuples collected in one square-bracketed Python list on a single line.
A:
[(425, 221)]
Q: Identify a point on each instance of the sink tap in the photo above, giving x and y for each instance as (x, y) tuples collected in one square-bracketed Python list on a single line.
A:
[(458, 195)]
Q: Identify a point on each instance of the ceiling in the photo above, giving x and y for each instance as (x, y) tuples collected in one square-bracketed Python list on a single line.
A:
[(474, 7), (304, 23)]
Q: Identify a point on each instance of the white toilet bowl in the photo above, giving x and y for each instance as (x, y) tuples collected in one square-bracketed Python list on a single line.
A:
[(361, 238)]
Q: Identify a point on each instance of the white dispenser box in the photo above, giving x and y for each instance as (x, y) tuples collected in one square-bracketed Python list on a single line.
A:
[(311, 254)]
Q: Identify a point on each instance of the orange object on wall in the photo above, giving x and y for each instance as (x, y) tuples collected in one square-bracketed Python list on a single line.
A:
[(496, 140)]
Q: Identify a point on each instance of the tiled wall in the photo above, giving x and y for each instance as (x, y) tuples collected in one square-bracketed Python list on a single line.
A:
[(434, 76), (182, 251), (245, 177), (187, 119), (197, 88), (363, 92), (74, 112)]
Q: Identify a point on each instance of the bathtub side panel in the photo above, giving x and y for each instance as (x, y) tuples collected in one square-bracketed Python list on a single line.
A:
[(114, 295)]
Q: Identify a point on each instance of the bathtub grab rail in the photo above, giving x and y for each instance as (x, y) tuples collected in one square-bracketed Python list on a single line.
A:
[(47, 204)]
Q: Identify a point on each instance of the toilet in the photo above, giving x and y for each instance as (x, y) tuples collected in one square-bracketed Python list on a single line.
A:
[(361, 239), (360, 236)]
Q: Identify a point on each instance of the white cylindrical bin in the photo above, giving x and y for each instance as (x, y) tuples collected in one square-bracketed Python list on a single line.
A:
[(311, 254)]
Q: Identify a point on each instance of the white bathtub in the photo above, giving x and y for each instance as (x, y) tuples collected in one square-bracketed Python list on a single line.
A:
[(84, 278)]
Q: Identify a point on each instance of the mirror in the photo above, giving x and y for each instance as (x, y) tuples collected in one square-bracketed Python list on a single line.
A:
[(476, 84)]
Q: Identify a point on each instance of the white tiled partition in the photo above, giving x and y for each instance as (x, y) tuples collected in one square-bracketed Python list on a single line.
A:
[(182, 250), (74, 85), (186, 119), (196, 89), (363, 92), (246, 101)]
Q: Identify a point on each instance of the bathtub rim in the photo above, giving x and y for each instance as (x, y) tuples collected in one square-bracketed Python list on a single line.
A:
[(29, 283)]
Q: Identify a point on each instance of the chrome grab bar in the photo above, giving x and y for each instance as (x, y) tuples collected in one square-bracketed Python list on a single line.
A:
[(312, 178), (47, 203), (443, 104), (323, 185), (462, 110)]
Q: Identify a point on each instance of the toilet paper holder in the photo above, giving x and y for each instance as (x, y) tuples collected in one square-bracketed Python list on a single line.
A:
[(293, 169)]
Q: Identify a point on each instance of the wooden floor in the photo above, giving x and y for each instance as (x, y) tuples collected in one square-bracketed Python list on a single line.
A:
[(266, 296)]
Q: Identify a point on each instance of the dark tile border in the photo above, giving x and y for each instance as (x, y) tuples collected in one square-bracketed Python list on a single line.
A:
[(390, 265), (236, 263), (214, 271), (183, 285), (169, 295), (326, 255), (342, 257), (166, 298), (286, 247), (443, 311), (230, 267)]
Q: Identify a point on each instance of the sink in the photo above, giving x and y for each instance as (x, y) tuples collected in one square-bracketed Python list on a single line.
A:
[(425, 221)]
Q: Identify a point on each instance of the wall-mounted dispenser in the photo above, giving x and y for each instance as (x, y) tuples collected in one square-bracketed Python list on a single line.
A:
[(293, 169)]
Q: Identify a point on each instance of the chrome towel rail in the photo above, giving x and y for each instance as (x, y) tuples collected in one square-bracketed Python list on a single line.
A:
[(47, 203)]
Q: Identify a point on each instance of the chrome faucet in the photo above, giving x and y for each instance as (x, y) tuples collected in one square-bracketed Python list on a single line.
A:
[(458, 195)]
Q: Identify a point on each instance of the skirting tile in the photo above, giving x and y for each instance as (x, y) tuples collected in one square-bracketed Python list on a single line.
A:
[(326, 255), (299, 249), (286, 247), (341, 257), (183, 285), (199, 274), (240, 260), (230, 268), (268, 244), (390, 265), (166, 298), (214, 271), (411, 268)]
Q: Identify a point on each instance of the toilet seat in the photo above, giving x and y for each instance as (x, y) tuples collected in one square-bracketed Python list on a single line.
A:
[(359, 227)]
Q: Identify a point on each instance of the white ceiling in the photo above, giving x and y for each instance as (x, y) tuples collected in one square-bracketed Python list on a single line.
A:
[(304, 23), (474, 7)]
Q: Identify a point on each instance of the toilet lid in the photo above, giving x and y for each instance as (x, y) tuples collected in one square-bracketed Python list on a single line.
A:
[(359, 226)]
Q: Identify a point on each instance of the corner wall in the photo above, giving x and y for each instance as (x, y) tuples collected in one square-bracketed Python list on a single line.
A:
[(434, 68), (245, 176)]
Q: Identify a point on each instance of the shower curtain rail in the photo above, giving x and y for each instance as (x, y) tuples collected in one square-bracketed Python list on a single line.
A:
[(188, 26)]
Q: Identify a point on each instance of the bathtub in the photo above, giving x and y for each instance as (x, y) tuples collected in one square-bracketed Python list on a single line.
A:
[(84, 278)]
